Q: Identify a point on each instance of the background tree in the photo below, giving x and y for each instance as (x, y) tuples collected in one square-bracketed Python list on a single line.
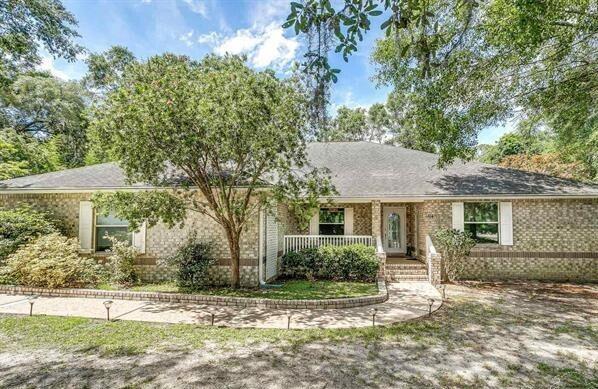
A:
[(27, 25), (104, 74), (464, 66), (378, 123), (105, 69), (215, 126), (21, 156), (45, 109)]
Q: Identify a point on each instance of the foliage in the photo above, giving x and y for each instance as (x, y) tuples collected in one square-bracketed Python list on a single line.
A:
[(460, 67), (22, 155), (216, 125), (192, 261), (21, 225), (358, 124), (52, 261), (455, 246), (25, 26), (48, 109), (121, 262), (351, 262), (106, 69), (136, 207), (547, 163)]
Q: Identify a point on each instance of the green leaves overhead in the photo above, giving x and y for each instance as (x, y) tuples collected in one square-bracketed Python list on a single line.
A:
[(215, 125), (462, 66), (26, 26)]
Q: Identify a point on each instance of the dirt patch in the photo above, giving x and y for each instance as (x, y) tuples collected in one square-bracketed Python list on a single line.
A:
[(486, 335)]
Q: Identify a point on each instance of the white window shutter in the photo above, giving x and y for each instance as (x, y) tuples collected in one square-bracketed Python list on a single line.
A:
[(348, 221), (506, 223), (85, 226), (139, 238), (458, 216), (314, 223)]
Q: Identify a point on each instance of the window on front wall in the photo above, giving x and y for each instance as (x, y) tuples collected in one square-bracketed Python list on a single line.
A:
[(332, 221), (481, 221), (110, 226)]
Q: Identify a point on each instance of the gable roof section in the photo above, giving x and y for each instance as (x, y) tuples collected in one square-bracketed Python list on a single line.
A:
[(359, 170), (363, 169)]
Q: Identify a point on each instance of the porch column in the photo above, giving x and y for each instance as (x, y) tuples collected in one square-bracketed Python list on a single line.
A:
[(377, 233), (376, 219)]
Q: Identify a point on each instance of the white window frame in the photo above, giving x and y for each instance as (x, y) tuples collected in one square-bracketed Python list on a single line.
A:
[(335, 224), (95, 232), (497, 222)]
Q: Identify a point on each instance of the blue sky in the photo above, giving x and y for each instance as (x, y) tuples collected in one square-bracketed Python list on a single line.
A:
[(198, 27)]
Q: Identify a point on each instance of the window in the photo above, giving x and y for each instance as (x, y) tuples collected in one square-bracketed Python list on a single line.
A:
[(481, 221), (332, 221), (110, 226)]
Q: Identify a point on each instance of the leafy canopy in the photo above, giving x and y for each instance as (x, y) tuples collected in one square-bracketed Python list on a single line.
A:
[(458, 67), (25, 26), (214, 126)]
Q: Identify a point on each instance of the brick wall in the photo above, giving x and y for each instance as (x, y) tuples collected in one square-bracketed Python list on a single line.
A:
[(552, 240), (161, 242)]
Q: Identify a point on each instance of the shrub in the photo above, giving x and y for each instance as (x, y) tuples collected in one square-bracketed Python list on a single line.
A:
[(352, 262), (300, 264), (454, 246), (19, 226), (121, 262), (52, 261), (192, 261)]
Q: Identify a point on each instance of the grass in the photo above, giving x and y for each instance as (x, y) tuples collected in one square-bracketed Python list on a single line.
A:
[(290, 290), (75, 334)]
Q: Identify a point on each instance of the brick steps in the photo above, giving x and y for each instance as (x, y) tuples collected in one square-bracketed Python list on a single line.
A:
[(405, 272)]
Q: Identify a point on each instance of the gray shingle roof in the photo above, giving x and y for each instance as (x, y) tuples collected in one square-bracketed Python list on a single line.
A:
[(360, 170)]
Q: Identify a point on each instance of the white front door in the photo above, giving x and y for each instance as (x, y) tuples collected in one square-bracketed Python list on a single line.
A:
[(393, 230)]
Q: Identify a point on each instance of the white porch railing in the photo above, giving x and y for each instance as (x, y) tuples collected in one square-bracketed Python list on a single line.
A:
[(299, 242)]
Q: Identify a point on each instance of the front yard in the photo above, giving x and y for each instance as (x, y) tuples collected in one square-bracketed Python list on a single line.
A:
[(486, 335), (290, 290)]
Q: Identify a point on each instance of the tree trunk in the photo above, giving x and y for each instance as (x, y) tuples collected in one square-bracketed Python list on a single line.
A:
[(235, 254)]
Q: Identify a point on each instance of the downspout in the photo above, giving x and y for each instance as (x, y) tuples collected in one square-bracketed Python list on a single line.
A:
[(262, 247)]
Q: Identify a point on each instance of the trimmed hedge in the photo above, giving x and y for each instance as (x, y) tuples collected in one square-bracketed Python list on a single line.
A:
[(351, 262)]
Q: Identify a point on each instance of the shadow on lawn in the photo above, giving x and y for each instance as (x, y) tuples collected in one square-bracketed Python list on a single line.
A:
[(501, 335)]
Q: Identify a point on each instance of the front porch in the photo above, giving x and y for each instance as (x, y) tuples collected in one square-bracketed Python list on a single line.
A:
[(391, 227)]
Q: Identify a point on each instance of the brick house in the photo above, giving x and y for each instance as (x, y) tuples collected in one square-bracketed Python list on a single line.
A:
[(528, 226)]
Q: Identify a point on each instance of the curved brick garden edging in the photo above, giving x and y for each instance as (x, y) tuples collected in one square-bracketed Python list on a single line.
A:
[(346, 302)]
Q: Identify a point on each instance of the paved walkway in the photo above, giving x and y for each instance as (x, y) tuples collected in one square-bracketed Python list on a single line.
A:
[(407, 300)]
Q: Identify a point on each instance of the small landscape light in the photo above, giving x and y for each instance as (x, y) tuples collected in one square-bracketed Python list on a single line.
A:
[(430, 303), (213, 316), (108, 304), (374, 312), (31, 300), (288, 320)]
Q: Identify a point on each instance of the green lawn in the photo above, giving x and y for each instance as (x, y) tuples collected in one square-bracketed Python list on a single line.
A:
[(290, 290), (479, 329)]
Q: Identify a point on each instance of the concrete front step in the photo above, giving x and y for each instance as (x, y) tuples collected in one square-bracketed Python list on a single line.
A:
[(403, 278), (407, 271), (406, 266)]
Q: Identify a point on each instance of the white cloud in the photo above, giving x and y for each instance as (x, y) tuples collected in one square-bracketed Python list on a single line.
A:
[(187, 38), (47, 64), (211, 38), (267, 11), (197, 6), (264, 46)]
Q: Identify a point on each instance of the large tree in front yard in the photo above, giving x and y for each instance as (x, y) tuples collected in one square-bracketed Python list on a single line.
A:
[(214, 127)]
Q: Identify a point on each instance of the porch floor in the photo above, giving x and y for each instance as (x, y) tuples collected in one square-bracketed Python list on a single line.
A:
[(401, 260)]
